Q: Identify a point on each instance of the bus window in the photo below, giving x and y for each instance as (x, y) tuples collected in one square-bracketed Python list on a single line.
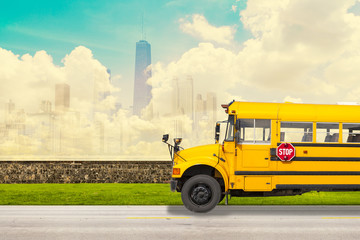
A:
[(351, 132), (262, 130), (296, 132), (255, 130), (327, 132), (230, 129)]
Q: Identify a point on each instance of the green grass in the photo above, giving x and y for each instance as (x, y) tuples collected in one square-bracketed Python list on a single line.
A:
[(88, 194), (144, 194), (310, 198)]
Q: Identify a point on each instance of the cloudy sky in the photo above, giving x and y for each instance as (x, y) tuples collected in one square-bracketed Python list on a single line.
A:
[(262, 50), (111, 28), (255, 50)]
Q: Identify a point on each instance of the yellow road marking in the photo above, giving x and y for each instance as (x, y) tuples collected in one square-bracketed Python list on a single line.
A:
[(341, 218), (157, 217)]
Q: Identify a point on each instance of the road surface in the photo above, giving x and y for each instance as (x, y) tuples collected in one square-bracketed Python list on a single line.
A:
[(175, 222)]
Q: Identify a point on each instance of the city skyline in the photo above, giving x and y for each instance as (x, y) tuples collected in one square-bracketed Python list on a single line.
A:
[(54, 127), (55, 130)]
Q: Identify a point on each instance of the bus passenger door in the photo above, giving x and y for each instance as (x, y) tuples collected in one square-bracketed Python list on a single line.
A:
[(253, 152), (255, 138)]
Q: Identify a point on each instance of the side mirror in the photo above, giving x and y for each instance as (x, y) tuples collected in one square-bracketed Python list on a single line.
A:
[(217, 132), (237, 137), (165, 138), (237, 125)]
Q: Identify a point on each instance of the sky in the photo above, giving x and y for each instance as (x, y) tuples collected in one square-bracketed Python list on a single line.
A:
[(256, 50), (110, 29)]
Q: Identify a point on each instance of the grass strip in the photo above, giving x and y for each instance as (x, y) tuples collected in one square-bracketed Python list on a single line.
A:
[(144, 194)]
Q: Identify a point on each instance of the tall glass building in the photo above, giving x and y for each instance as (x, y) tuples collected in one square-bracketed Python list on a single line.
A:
[(142, 91)]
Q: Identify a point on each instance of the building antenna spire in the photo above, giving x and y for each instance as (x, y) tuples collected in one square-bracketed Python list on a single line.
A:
[(142, 26)]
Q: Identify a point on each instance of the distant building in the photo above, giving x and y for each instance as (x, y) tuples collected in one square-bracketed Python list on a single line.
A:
[(211, 107), (142, 91), (64, 134), (205, 110), (99, 146), (12, 125), (45, 106), (62, 97), (183, 97), (199, 108), (9, 107)]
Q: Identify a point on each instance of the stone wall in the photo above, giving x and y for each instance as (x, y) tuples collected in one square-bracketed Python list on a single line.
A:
[(85, 171)]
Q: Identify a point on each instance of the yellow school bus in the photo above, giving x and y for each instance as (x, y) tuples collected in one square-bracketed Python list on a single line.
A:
[(325, 140)]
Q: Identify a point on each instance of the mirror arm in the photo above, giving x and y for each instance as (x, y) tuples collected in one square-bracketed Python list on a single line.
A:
[(237, 137)]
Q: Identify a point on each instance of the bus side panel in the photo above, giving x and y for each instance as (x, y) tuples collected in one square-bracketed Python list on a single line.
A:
[(280, 182)]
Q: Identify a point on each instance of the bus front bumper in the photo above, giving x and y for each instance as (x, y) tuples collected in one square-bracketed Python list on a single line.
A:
[(173, 184)]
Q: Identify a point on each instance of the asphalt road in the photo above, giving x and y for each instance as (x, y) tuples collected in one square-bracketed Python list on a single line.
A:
[(175, 222)]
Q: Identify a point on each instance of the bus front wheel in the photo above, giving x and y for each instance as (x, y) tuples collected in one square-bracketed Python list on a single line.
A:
[(201, 193)]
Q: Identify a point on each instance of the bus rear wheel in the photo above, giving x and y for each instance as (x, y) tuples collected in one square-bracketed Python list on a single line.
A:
[(201, 193)]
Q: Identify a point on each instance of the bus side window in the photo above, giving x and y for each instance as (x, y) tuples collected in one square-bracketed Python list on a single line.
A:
[(351, 132), (262, 130), (247, 130), (296, 132), (282, 136), (255, 130), (327, 132)]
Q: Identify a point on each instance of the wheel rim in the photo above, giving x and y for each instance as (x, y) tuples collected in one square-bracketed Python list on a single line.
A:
[(200, 194)]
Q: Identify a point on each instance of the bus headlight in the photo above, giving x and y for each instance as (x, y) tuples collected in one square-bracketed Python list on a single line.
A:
[(177, 141)]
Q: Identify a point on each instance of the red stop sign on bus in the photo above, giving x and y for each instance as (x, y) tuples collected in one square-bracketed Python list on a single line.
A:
[(285, 152)]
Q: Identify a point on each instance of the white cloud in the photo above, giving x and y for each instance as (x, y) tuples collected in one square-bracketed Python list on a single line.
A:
[(304, 48), (200, 28), (212, 69), (292, 100), (30, 79)]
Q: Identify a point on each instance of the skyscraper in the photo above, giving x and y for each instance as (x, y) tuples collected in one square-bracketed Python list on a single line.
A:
[(142, 91), (183, 97), (205, 109), (211, 107), (62, 97), (45, 106), (199, 108)]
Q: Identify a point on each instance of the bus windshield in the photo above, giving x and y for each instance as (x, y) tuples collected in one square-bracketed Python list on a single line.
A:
[(229, 136)]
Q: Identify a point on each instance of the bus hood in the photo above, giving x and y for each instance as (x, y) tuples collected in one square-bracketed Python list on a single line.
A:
[(194, 153)]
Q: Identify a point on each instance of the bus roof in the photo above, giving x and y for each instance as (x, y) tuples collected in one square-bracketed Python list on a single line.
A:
[(296, 111)]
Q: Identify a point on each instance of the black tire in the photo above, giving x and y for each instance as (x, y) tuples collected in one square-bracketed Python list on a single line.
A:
[(222, 197), (201, 193)]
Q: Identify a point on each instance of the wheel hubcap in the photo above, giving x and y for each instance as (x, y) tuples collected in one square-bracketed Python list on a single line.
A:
[(200, 194)]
